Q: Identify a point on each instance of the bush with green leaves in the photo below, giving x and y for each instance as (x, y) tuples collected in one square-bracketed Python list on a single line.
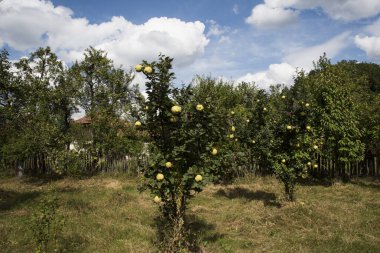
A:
[(184, 133), (47, 223)]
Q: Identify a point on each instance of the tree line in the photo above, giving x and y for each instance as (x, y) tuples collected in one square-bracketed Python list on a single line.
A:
[(334, 107)]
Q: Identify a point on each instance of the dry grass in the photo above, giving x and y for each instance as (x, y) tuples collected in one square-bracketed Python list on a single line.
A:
[(107, 214)]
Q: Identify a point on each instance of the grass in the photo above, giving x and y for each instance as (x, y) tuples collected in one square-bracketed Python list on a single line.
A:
[(107, 214)]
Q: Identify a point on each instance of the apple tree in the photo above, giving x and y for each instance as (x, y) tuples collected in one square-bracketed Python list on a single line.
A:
[(297, 145), (184, 134)]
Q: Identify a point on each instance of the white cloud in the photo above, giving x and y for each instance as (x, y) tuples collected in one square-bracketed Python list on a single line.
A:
[(304, 57), (300, 59), (346, 10), (265, 16), (25, 25), (371, 45), (273, 13), (276, 74)]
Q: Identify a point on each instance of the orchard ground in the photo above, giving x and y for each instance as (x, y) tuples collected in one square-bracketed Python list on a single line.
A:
[(108, 214)]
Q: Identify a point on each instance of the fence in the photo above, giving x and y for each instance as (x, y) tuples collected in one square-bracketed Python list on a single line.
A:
[(88, 164), (85, 164)]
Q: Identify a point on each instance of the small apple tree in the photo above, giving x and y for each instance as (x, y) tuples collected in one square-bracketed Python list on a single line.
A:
[(297, 143), (184, 133)]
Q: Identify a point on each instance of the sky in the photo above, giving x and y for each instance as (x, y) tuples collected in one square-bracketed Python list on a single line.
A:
[(261, 41)]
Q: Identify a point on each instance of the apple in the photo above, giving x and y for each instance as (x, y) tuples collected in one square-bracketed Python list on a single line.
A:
[(168, 165), (146, 107), (315, 147), (198, 178), (247, 120), (160, 177), (233, 129), (157, 199), (253, 141), (138, 67), (232, 112), (236, 139), (176, 109), (148, 70), (307, 104), (315, 165), (265, 109), (283, 161), (308, 163), (199, 107), (214, 151), (283, 97), (137, 123), (231, 136), (289, 127), (308, 127), (258, 100)]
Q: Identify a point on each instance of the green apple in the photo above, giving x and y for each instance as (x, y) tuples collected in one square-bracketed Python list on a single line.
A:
[(160, 177), (148, 70), (176, 109), (138, 67), (157, 199), (198, 178), (199, 107)]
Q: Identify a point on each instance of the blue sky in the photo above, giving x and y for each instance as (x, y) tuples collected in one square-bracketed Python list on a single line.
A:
[(262, 41)]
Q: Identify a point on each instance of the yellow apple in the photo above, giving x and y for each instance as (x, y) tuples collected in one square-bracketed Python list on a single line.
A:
[(198, 178), (308, 163), (157, 199), (283, 97), (231, 136), (265, 109), (253, 141), (308, 127), (176, 109), (315, 147), (315, 165), (233, 129), (283, 161), (146, 107), (247, 120), (236, 139), (168, 165), (137, 123), (214, 151), (148, 70), (289, 127), (138, 67), (160, 177), (199, 107), (232, 112), (307, 104)]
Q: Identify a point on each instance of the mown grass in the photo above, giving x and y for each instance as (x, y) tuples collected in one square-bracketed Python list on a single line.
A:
[(108, 214)]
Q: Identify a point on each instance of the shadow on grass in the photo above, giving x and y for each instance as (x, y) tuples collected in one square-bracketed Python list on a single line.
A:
[(326, 182), (72, 243), (268, 198), (197, 233), (11, 199), (369, 183)]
